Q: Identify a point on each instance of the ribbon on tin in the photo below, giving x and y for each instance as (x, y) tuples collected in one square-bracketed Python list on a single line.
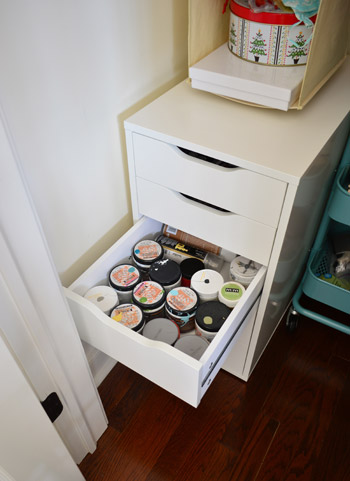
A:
[(303, 10), (225, 6), (258, 6)]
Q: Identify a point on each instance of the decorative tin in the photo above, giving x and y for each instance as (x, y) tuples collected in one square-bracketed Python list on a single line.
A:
[(269, 38)]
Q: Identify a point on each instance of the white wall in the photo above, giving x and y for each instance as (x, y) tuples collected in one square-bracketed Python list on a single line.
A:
[(71, 72)]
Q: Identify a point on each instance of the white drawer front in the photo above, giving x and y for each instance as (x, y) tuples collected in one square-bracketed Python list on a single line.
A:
[(233, 232), (236, 359), (171, 369), (238, 190)]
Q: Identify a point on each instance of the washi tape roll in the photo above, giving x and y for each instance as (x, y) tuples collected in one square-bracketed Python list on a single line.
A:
[(207, 283), (103, 297)]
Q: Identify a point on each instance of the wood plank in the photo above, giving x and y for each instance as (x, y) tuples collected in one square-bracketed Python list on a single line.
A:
[(139, 447), (212, 464), (302, 398), (115, 387), (255, 448), (247, 406), (342, 348), (133, 400), (320, 417), (97, 466), (333, 463), (198, 433), (134, 452)]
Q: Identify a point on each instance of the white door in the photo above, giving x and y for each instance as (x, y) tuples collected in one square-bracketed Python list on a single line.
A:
[(34, 315), (30, 447)]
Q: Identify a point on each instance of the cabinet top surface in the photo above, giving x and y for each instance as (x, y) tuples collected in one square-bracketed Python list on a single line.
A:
[(276, 143)]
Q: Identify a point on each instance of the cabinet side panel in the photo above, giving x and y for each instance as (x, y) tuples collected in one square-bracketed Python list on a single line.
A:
[(309, 203), (208, 28), (132, 176), (328, 51)]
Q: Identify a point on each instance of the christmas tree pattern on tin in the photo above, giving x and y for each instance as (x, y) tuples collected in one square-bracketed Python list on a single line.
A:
[(233, 36), (258, 46), (298, 48)]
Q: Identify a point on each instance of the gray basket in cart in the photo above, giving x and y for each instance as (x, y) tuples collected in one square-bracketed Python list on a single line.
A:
[(321, 290)]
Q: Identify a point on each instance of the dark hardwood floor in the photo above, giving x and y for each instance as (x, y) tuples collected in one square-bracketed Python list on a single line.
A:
[(289, 422)]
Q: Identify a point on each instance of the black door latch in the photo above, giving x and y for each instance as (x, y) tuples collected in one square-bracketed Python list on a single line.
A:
[(52, 406)]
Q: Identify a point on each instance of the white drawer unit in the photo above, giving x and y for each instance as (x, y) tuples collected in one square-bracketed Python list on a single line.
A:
[(235, 176), (168, 367)]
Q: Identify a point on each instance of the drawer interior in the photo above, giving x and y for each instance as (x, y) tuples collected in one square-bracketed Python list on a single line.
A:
[(163, 364)]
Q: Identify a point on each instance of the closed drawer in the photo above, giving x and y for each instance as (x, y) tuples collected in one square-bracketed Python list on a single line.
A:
[(171, 369), (238, 190), (226, 229)]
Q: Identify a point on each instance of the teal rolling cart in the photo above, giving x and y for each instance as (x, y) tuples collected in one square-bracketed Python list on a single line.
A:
[(327, 275)]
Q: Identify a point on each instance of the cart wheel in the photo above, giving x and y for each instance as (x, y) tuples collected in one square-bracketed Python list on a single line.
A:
[(292, 319)]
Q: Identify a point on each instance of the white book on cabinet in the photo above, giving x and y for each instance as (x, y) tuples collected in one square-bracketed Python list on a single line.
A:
[(225, 74)]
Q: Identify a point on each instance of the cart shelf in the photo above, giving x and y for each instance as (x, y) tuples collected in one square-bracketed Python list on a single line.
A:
[(339, 208)]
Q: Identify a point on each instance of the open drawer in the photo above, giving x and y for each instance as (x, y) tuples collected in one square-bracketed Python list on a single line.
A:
[(161, 363)]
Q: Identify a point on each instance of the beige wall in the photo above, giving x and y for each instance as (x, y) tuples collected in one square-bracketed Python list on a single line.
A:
[(71, 72)]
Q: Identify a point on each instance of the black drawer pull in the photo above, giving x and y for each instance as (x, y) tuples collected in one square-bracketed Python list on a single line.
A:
[(205, 203), (206, 158)]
